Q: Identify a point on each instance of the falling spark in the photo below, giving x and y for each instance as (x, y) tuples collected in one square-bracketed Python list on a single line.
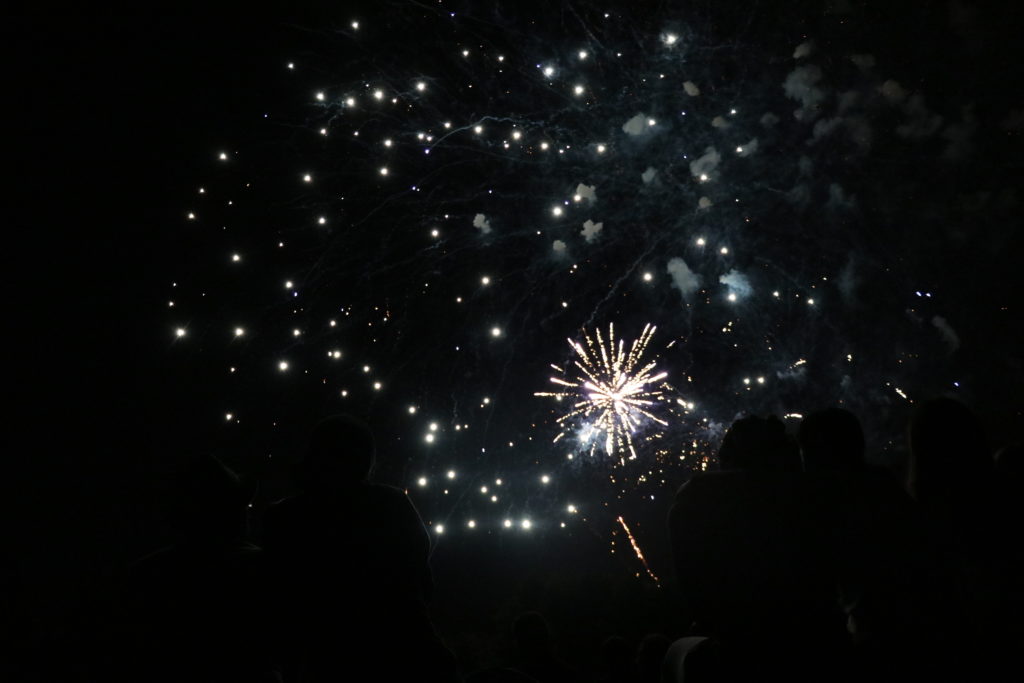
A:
[(639, 553)]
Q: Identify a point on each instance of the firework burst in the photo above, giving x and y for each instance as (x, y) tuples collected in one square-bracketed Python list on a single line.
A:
[(613, 392)]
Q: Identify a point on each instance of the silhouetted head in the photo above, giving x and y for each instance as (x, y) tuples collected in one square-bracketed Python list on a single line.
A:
[(650, 655), (213, 503), (758, 444), (948, 450), (532, 634), (1009, 461), (618, 657), (831, 440), (340, 454)]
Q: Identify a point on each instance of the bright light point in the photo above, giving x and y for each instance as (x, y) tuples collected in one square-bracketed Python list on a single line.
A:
[(421, 86), (544, 145), (760, 380), (384, 170), (746, 380), (739, 150), (447, 124), (724, 250), (334, 323), (701, 242), (497, 482), (429, 438), (601, 149), (320, 96), (296, 332), (495, 331), (288, 284), (376, 386), (191, 216), (732, 111), (323, 131), (501, 58), (223, 156), (322, 220), (412, 410), (228, 416), (571, 509), (291, 65), (565, 304), (508, 523), (670, 38), (732, 296), (351, 101), (526, 524), (433, 426), (366, 368), (307, 178), (471, 524), (516, 135), (549, 71), (236, 258), (776, 294), (810, 302), (651, 122), (387, 143), (485, 280), (440, 528), (344, 393), (557, 211), (578, 90), (282, 366), (582, 54), (487, 399), (422, 481), (180, 332), (355, 25), (239, 331), (465, 53), (435, 233), (378, 94), (451, 474), (478, 129), (334, 354), (545, 479), (648, 277), (703, 177)]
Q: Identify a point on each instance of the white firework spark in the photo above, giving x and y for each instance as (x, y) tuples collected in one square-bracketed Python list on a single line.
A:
[(613, 394)]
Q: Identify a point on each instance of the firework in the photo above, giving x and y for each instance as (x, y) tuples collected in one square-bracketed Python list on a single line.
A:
[(613, 393)]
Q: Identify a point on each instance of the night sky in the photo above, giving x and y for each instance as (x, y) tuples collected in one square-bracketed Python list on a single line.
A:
[(814, 206)]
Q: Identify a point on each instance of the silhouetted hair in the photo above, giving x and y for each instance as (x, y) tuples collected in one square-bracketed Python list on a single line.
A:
[(758, 443), (831, 439), (341, 453), (948, 448)]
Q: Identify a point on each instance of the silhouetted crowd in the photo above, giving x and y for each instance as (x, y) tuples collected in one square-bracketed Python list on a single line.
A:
[(794, 561)]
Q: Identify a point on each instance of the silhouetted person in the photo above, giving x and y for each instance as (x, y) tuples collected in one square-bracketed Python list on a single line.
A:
[(197, 607), (889, 589), (751, 563), (351, 559), (950, 475), (535, 653)]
